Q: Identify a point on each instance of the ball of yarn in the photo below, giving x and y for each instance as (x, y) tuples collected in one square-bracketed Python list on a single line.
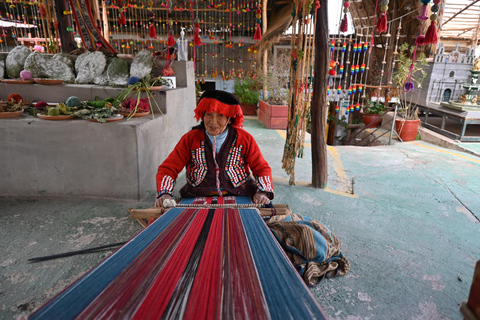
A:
[(41, 105), (408, 86), (73, 102), (167, 203), (15, 97), (420, 40), (133, 80), (26, 74)]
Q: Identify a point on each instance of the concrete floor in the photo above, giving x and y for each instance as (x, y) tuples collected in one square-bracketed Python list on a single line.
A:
[(408, 216)]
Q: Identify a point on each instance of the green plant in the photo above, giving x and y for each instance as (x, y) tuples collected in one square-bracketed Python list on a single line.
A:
[(246, 91), (198, 90), (136, 89), (407, 108), (374, 107), (342, 121), (275, 86)]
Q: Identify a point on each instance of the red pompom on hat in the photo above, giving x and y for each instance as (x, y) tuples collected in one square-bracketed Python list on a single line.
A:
[(221, 102)]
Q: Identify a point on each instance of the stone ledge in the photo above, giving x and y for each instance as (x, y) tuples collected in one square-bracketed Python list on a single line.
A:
[(80, 158)]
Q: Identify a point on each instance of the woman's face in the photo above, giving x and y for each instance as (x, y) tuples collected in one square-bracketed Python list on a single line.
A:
[(215, 123)]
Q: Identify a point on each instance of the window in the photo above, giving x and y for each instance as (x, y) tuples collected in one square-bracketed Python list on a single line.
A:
[(452, 74)]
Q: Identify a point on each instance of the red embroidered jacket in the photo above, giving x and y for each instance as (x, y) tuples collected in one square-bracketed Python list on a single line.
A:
[(238, 157)]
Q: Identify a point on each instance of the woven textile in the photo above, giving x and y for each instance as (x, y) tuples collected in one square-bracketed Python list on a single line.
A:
[(194, 263), (90, 35), (313, 249)]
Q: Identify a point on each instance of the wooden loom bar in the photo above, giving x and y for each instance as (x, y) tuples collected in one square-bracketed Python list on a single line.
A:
[(153, 213)]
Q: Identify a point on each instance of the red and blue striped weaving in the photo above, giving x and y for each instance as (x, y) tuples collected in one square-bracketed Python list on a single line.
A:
[(192, 263)]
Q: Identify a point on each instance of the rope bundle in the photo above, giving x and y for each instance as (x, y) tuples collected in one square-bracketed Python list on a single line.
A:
[(300, 92)]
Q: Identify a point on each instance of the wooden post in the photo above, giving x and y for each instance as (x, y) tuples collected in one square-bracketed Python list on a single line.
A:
[(265, 53), (66, 38), (106, 28), (319, 101)]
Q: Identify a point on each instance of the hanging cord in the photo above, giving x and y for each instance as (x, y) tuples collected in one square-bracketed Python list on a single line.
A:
[(217, 168), (408, 85), (374, 24)]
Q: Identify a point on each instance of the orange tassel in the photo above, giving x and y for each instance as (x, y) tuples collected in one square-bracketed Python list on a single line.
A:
[(431, 34), (258, 34), (382, 23)]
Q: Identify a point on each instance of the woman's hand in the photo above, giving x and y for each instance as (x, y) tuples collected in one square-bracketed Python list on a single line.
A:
[(261, 198), (159, 201)]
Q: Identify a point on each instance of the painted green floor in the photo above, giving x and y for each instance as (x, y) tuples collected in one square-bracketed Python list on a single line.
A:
[(407, 214)]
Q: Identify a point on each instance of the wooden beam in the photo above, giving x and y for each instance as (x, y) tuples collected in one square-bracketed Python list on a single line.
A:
[(456, 14), (265, 52), (465, 31), (66, 38), (319, 101), (106, 27)]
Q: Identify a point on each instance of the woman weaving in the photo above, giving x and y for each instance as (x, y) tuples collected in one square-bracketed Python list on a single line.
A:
[(218, 156)]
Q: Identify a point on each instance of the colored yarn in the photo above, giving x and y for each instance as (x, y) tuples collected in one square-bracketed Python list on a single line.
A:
[(431, 34), (192, 263), (382, 23), (152, 33), (121, 19)]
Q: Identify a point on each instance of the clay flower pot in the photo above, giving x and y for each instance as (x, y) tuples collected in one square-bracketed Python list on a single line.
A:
[(407, 129), (372, 120)]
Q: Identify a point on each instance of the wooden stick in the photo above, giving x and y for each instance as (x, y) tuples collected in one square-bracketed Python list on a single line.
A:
[(153, 213), (72, 253)]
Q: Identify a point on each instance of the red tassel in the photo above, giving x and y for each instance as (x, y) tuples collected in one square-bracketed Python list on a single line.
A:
[(382, 23), (171, 41), (344, 24), (431, 34), (152, 33), (121, 20), (197, 41), (258, 34)]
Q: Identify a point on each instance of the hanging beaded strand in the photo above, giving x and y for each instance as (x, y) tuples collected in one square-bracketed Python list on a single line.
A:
[(420, 40), (431, 34), (382, 25), (363, 82), (347, 80), (384, 61), (344, 23), (395, 51), (357, 69)]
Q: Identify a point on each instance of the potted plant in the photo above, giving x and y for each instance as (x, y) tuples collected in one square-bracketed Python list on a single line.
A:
[(406, 125), (372, 113), (273, 106), (247, 93)]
